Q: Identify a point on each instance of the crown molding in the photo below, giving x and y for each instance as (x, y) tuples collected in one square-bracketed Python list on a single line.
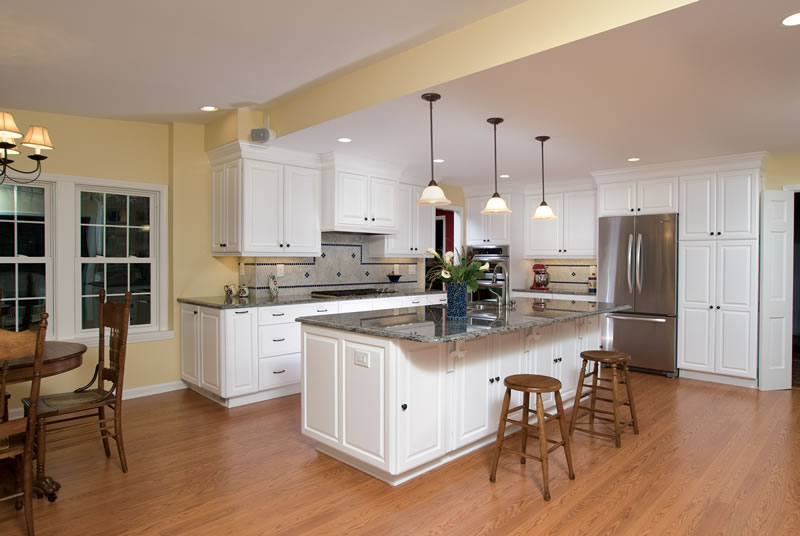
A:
[(343, 162), (754, 160), (262, 152)]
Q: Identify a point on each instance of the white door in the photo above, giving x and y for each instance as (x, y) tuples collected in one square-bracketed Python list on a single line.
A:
[(425, 217), (736, 307), (211, 350), (232, 207), (219, 222), (262, 224), (476, 222), (301, 212), (421, 405), (737, 205), (352, 199), (696, 305), (657, 196), (189, 350), (241, 354), (777, 240), (403, 241), (616, 199), (544, 238), (580, 224), (499, 226), (698, 201), (383, 203), (473, 392)]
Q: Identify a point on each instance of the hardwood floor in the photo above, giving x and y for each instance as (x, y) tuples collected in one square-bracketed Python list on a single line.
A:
[(710, 459)]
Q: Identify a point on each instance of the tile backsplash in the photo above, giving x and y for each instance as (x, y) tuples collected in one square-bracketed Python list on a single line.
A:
[(566, 275), (344, 263)]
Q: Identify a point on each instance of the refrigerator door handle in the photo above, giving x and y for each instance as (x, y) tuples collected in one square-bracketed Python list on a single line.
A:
[(638, 319), (639, 263), (630, 264)]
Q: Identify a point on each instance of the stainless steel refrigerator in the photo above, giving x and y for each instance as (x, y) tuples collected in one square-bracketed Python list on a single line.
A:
[(638, 266)]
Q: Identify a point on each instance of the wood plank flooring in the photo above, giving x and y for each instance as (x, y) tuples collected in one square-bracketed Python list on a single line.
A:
[(710, 459)]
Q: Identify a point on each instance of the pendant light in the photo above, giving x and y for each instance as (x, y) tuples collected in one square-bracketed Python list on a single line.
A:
[(543, 211), (432, 195), (495, 204)]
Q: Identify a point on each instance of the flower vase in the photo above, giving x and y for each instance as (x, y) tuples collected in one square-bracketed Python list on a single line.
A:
[(456, 300)]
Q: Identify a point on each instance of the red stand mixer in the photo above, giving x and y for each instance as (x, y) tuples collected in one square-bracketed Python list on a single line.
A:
[(540, 277)]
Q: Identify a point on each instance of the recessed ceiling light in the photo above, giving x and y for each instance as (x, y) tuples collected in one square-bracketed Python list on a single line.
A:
[(634, 159), (439, 160), (792, 20), (344, 140), (209, 108), (504, 176)]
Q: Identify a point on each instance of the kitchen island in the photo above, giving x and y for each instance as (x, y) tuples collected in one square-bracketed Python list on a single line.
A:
[(398, 392)]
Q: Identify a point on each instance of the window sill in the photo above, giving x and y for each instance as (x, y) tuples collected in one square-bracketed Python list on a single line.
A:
[(143, 336)]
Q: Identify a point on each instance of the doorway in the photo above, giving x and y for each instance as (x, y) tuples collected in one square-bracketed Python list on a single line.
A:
[(448, 235), (796, 297)]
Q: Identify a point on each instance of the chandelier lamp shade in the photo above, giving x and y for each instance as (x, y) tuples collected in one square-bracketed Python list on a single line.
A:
[(432, 195), (36, 138), (495, 204), (543, 211)]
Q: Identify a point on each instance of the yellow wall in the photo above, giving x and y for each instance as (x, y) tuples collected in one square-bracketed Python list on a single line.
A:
[(782, 169)]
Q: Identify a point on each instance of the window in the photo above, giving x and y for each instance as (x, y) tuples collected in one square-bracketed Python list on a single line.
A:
[(25, 258), (116, 253)]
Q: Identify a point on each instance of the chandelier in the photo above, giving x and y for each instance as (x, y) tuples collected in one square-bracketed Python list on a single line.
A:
[(37, 138)]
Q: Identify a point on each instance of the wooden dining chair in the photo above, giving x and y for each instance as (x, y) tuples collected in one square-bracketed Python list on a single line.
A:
[(17, 435), (67, 419)]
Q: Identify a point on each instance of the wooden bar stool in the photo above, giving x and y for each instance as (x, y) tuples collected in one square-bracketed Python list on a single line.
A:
[(615, 360), (527, 384)]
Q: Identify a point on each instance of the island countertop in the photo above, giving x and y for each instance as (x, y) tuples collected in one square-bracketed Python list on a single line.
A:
[(430, 324)]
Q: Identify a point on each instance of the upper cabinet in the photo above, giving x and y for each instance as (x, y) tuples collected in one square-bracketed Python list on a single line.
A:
[(572, 234), (483, 229), (414, 227), (651, 196), (358, 200), (262, 207), (720, 206)]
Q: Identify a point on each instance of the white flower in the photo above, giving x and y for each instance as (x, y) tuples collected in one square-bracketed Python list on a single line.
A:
[(485, 267), (448, 257), (430, 250), (445, 274)]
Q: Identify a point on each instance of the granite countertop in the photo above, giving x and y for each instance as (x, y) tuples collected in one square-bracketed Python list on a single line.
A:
[(221, 302), (430, 324)]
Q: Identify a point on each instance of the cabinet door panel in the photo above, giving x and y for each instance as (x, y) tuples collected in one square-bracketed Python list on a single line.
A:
[(568, 355), (189, 349), (542, 355), (737, 274), (657, 196), (320, 399), (383, 203), (263, 207), (499, 226), (219, 229), (476, 222), (421, 387), (580, 224), (241, 361), (543, 238), (301, 213), (696, 338), (736, 343), (616, 199), (211, 350), (508, 361), (232, 207), (698, 207), (424, 219), (473, 393), (352, 199), (696, 274), (737, 205), (402, 243)]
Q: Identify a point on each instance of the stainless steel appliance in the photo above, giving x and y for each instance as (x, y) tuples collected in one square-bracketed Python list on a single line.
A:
[(494, 255), (637, 266)]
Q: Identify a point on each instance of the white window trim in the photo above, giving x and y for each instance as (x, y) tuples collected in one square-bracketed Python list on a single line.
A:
[(64, 252)]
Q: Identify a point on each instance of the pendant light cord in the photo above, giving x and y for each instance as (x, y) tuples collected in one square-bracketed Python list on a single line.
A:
[(433, 182), (542, 171), (495, 159)]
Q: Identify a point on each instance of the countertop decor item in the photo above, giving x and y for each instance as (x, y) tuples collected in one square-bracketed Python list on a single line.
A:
[(37, 138), (543, 211), (273, 286), (461, 274), (495, 204), (393, 277), (243, 291), (432, 195), (230, 290)]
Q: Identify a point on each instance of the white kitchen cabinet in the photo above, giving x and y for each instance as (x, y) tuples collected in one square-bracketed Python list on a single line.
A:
[(190, 356), (540, 345), (474, 395), (226, 227), (354, 306), (720, 205), (572, 234), (262, 208), (651, 196), (383, 203), (437, 299), (485, 229), (508, 359), (718, 307), (241, 360), (414, 224), (301, 213), (358, 202), (210, 339)]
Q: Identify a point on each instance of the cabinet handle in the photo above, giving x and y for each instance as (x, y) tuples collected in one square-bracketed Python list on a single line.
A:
[(279, 340), (497, 378), (719, 233), (717, 306), (322, 310), (373, 219), (404, 406), (638, 209), (565, 251), (277, 314), (710, 306), (711, 233), (279, 371), (601, 346), (631, 210), (195, 312), (415, 301), (288, 245), (224, 245), (365, 218), (555, 360), (281, 245), (240, 312), (491, 380)]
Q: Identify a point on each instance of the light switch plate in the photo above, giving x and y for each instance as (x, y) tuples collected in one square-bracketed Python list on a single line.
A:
[(412, 269), (280, 270), (396, 269), (241, 269)]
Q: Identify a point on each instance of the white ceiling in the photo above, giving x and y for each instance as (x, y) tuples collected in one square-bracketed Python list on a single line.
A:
[(714, 78), (162, 59)]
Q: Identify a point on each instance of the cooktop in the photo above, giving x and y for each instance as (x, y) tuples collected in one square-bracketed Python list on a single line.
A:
[(351, 292)]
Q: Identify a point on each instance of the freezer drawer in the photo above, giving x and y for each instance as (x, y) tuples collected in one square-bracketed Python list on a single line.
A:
[(650, 340)]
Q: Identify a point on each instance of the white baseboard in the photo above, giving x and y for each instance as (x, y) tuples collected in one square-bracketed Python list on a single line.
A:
[(719, 378), (242, 400)]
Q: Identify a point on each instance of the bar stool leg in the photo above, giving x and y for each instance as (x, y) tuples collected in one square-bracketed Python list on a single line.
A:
[(595, 375), (578, 393), (526, 404), (562, 423), (543, 445), (630, 400), (501, 430), (615, 387)]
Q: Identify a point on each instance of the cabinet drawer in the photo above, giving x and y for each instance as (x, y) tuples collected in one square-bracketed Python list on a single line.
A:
[(288, 313), (355, 306), (278, 371), (415, 301), (388, 303), (437, 299), (278, 339)]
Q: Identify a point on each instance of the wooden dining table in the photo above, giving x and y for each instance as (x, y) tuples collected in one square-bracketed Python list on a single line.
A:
[(59, 357)]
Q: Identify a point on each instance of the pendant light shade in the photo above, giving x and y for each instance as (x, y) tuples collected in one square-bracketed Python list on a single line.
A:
[(543, 211), (495, 204), (432, 195)]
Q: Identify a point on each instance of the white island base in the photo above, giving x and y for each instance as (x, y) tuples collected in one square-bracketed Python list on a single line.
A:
[(395, 408)]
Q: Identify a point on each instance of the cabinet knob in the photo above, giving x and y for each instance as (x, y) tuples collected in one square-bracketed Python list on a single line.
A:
[(631, 210), (365, 219), (281, 245), (555, 360), (404, 407), (497, 378), (373, 219), (711, 233), (491, 380), (717, 306), (288, 245), (718, 233), (195, 312), (710, 306), (638, 209), (565, 251)]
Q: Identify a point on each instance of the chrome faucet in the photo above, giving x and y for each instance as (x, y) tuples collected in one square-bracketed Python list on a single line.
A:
[(506, 293)]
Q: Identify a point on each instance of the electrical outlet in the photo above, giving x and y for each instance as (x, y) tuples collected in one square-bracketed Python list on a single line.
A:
[(241, 269), (280, 270), (396, 269), (412, 269)]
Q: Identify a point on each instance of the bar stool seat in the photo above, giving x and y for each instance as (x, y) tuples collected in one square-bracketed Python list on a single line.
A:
[(615, 360), (536, 384)]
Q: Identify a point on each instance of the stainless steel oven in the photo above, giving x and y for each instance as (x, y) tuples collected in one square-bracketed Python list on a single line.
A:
[(493, 255)]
